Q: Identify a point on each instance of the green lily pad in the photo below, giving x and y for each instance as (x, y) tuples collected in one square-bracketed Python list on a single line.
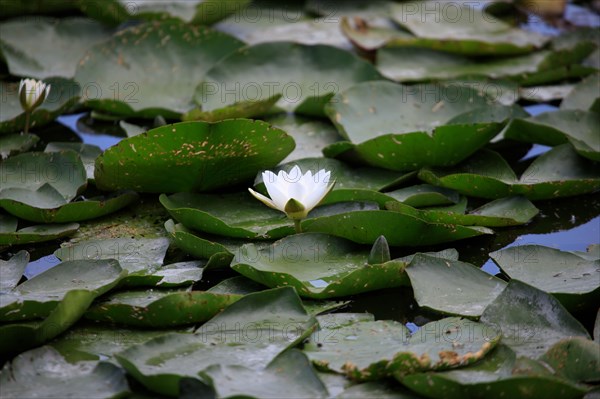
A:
[(584, 95), (573, 280), (543, 94), (472, 30), (232, 215), (399, 229), (541, 67), (115, 12), (150, 69), (238, 285), (300, 73), (384, 389), (580, 128), (531, 320), (499, 375), (318, 266), (64, 94), (87, 152), (159, 308), (559, 172), (371, 350), (511, 211), (14, 201), (12, 270), (310, 135), (14, 144), (43, 47), (248, 333), (289, 375), (43, 372), (192, 156), (38, 296), (371, 109), (576, 359), (242, 109), (452, 287), (37, 233), (132, 254), (423, 195), (20, 336), (411, 151), (47, 178), (93, 341), (180, 274)]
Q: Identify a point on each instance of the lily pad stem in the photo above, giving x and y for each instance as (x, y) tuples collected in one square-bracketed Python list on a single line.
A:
[(297, 225), (27, 117)]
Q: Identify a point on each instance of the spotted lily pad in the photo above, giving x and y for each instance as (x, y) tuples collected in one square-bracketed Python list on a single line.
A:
[(248, 333), (301, 74), (531, 320), (573, 280), (44, 47), (576, 359), (318, 266), (371, 350), (500, 374), (64, 94), (43, 372), (452, 287), (159, 308), (580, 128), (559, 172), (150, 69), (192, 156)]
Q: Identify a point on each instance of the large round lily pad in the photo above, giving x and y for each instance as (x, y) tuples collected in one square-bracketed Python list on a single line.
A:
[(559, 172), (43, 47), (318, 266), (192, 156), (150, 69), (305, 76)]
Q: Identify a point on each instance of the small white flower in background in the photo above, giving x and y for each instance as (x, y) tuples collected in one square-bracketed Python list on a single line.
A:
[(32, 93), (295, 193)]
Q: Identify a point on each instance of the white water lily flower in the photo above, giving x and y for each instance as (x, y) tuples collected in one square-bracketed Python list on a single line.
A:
[(295, 193), (32, 93)]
